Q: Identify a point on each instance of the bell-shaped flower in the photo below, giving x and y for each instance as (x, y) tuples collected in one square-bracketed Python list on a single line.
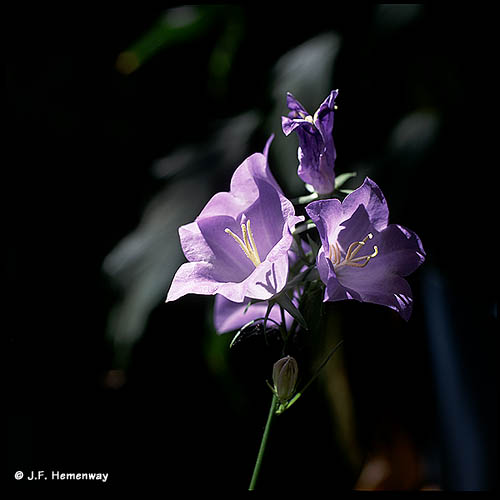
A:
[(238, 246), (362, 256), (230, 316), (316, 149)]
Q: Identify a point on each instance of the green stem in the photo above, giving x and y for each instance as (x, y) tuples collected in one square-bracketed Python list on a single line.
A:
[(263, 443), (284, 333)]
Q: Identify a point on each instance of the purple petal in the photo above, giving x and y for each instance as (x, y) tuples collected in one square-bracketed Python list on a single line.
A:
[(243, 181), (230, 316), (192, 277), (288, 125), (325, 115), (268, 279), (327, 215), (266, 218), (316, 164), (294, 105), (265, 152), (371, 197), (230, 204), (400, 250), (334, 290), (379, 287), (356, 228), (193, 244), (230, 262)]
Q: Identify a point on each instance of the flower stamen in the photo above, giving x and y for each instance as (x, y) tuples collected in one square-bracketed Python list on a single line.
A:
[(247, 244), (350, 258)]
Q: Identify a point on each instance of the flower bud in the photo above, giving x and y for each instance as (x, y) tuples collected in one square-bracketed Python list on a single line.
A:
[(285, 373)]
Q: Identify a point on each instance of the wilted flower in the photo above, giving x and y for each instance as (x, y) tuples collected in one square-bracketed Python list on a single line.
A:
[(238, 245), (316, 149), (285, 373), (362, 256)]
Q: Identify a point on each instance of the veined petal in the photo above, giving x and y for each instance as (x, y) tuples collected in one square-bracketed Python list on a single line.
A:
[(193, 243), (288, 125), (293, 104), (378, 286), (325, 116), (328, 216), (400, 250), (243, 181), (192, 277), (334, 290), (371, 197), (230, 262)]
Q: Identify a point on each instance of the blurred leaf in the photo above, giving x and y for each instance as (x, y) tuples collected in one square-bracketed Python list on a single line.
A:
[(178, 25), (222, 57), (144, 262)]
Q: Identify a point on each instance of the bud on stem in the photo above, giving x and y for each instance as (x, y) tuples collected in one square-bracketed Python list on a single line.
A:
[(285, 373)]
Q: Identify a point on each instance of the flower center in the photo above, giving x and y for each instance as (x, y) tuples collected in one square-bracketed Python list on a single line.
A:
[(247, 244), (350, 259), (308, 118)]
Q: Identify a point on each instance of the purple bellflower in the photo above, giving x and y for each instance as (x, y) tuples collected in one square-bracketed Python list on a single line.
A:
[(362, 256), (230, 316), (238, 246), (316, 149)]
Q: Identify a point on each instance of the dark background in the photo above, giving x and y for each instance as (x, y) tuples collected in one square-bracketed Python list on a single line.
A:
[(168, 405)]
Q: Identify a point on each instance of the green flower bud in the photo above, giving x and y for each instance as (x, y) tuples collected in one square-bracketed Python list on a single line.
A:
[(285, 373)]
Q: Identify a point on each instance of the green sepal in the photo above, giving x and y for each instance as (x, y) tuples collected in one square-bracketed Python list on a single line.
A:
[(283, 300), (341, 179)]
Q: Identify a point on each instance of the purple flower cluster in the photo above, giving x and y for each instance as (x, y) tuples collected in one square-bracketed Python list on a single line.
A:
[(245, 245)]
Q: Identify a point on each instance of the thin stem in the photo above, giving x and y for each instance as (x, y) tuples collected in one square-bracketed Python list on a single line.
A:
[(284, 333), (283, 322), (266, 317), (263, 443)]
